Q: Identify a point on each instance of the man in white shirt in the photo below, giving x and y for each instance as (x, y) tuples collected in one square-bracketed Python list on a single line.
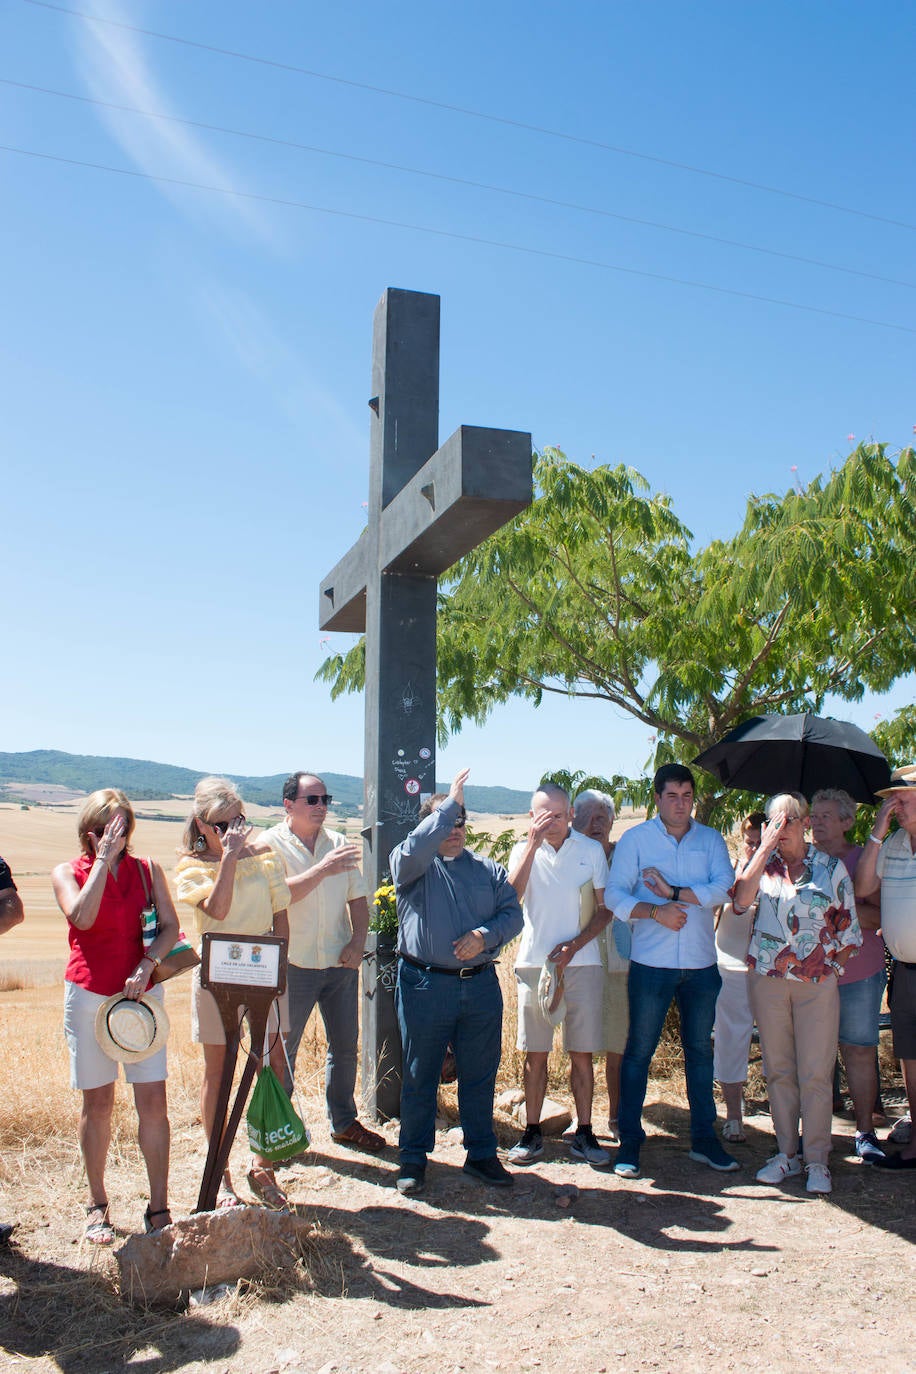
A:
[(888, 865), (549, 871), (667, 876), (328, 921)]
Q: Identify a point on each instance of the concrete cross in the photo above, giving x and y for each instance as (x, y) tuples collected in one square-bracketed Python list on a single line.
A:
[(425, 512)]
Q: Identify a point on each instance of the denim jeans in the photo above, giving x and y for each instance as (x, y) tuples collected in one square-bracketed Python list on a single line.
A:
[(651, 991), (336, 991), (434, 1010)]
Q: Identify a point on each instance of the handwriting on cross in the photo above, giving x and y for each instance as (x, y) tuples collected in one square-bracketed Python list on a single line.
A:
[(428, 506)]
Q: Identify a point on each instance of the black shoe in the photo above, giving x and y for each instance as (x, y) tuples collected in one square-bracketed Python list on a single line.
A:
[(488, 1170), (411, 1178)]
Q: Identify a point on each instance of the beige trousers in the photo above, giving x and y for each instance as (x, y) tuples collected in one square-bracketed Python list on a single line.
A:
[(798, 1024)]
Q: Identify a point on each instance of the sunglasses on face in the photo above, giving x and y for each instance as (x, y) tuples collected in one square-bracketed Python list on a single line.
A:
[(460, 823), (222, 826), (316, 799)]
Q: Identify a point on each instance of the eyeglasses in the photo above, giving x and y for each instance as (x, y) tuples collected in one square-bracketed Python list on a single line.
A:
[(316, 799), (222, 826), (460, 823)]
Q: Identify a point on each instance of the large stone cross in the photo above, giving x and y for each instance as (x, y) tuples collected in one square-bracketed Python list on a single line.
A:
[(425, 512)]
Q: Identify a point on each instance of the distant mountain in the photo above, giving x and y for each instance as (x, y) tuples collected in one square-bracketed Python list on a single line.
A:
[(145, 781)]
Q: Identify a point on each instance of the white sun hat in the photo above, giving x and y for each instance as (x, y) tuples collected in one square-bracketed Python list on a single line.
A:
[(550, 993), (128, 1030)]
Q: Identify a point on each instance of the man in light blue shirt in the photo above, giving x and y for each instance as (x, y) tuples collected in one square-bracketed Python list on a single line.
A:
[(667, 876)]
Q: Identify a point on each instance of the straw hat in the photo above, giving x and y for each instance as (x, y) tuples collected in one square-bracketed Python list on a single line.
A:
[(129, 1030), (550, 993), (902, 780)]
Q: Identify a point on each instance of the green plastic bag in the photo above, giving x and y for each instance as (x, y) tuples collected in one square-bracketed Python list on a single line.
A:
[(275, 1131)]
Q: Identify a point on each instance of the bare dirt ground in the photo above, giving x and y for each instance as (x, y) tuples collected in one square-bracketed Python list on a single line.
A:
[(679, 1270)]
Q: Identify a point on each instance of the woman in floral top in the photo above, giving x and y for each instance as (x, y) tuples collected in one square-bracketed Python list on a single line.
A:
[(805, 930)]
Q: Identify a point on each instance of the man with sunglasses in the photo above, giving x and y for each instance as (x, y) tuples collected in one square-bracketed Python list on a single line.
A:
[(456, 910), (328, 921)]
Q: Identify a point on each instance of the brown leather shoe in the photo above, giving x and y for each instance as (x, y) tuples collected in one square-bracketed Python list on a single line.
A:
[(359, 1138)]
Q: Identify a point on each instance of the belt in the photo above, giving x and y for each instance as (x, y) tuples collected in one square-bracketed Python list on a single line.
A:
[(463, 972), (911, 967)]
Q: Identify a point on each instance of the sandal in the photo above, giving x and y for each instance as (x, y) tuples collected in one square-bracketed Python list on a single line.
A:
[(149, 1228), (227, 1198), (101, 1231), (733, 1131), (262, 1183)]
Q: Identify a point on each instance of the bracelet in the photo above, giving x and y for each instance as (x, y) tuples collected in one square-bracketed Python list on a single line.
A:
[(874, 839), (152, 958), (652, 911)]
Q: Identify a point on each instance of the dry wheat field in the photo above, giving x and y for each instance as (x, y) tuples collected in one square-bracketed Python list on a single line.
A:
[(679, 1270)]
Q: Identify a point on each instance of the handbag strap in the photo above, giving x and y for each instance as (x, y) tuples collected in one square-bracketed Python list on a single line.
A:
[(146, 878)]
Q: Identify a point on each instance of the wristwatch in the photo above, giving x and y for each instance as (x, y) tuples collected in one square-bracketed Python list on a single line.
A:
[(675, 893)]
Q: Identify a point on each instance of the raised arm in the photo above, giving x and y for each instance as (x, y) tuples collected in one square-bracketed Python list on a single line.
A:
[(413, 856), (866, 880)]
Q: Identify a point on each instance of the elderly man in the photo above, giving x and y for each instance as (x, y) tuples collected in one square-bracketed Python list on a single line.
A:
[(11, 914), (554, 871), (593, 815), (328, 920), (456, 910), (667, 877), (888, 866)]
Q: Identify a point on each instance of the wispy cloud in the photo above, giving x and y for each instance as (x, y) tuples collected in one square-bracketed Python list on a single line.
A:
[(116, 68), (248, 333)]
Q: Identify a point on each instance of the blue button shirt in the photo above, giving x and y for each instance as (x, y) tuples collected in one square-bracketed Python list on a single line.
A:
[(439, 900), (699, 861)]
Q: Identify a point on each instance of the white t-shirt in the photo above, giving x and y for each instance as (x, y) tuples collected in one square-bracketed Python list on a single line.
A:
[(551, 903)]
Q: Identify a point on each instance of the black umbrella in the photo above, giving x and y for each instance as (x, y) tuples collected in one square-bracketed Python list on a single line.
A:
[(770, 754)]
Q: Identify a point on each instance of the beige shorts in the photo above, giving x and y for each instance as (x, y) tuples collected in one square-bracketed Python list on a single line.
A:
[(90, 1066), (207, 1024), (582, 1023), (615, 1013)]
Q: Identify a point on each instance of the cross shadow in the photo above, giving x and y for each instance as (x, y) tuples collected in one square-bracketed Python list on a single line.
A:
[(72, 1317)]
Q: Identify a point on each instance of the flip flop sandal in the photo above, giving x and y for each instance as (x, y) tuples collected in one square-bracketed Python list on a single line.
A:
[(150, 1227), (264, 1186), (226, 1199), (101, 1231)]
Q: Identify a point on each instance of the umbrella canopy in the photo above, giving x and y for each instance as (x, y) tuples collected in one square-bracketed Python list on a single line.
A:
[(770, 754)]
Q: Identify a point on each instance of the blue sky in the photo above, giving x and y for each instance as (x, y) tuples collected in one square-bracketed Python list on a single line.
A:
[(184, 373)]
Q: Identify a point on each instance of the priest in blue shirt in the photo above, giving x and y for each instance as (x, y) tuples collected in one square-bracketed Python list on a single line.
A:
[(667, 876), (456, 910)]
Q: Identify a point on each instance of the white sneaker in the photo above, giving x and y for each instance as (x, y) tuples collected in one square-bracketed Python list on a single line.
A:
[(778, 1168), (818, 1178)]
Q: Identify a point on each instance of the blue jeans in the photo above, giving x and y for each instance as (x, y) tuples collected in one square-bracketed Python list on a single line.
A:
[(435, 1010), (336, 991), (651, 991)]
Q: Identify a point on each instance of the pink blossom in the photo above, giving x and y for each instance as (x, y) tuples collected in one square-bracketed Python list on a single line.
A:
[(850, 438)]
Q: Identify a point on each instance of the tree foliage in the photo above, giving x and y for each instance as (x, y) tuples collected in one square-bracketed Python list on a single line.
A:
[(597, 591)]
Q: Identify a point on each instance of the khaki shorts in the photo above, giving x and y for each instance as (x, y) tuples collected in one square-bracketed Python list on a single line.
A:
[(582, 1034), (615, 1013), (90, 1066), (207, 1024)]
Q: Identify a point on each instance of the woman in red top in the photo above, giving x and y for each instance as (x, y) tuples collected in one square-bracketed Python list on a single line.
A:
[(102, 895)]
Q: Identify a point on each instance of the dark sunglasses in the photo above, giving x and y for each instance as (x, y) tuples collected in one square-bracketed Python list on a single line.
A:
[(316, 799), (222, 826), (460, 823)]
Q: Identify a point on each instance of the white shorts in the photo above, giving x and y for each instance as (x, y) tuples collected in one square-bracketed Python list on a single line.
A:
[(207, 1024), (582, 1030), (90, 1066), (733, 1027)]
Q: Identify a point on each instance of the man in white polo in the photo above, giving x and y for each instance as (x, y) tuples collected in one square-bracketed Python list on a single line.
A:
[(888, 864), (328, 921), (550, 871)]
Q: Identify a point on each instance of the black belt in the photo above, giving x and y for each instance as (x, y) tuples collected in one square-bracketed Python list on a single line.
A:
[(463, 972), (911, 967)]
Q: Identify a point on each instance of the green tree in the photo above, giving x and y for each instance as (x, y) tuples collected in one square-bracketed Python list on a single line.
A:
[(597, 591)]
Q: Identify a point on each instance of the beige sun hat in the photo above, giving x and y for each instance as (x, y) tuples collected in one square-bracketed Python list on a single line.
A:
[(129, 1031), (902, 780), (550, 993)]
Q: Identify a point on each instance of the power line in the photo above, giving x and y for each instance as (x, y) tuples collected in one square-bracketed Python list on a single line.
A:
[(461, 181), (474, 114), (452, 234)]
